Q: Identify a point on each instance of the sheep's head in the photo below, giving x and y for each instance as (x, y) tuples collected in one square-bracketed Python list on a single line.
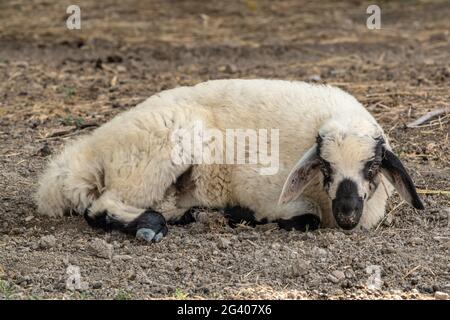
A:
[(350, 160)]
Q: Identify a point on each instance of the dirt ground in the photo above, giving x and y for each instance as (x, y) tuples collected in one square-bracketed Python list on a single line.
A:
[(57, 83)]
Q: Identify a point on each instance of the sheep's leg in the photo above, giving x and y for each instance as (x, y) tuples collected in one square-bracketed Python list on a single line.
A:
[(110, 213), (149, 225), (303, 222)]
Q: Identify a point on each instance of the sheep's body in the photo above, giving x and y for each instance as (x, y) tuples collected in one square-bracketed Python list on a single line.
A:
[(125, 166)]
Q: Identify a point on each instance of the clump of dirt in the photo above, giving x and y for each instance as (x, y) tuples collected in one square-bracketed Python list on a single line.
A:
[(56, 84)]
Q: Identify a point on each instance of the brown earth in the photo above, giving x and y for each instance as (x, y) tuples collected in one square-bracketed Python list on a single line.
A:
[(57, 83)]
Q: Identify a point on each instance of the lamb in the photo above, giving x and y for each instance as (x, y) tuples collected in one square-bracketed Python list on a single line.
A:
[(124, 174)]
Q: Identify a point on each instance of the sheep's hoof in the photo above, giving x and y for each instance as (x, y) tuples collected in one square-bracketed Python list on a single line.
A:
[(149, 235), (304, 222), (151, 226)]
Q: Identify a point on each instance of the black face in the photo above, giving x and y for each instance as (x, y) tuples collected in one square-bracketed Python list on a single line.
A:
[(348, 205)]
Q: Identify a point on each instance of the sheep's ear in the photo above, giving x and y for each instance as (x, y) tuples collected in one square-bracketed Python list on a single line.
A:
[(301, 176), (395, 172)]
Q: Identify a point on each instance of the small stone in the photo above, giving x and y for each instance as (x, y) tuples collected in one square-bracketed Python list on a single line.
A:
[(315, 78), (114, 58), (426, 289), (47, 242), (223, 243), (416, 240), (121, 69), (101, 248), (415, 291), (44, 150), (338, 274), (122, 257), (29, 218), (97, 285), (276, 246), (349, 274), (388, 220), (300, 268), (229, 68), (387, 249), (23, 280), (319, 251), (439, 295), (21, 64), (332, 278), (308, 236)]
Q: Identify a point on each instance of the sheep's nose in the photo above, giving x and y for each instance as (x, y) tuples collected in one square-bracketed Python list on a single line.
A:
[(348, 206), (347, 211)]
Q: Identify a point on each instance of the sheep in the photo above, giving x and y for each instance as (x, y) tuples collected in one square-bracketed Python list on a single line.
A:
[(124, 175)]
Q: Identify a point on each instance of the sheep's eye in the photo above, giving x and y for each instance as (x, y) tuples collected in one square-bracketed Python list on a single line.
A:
[(325, 167)]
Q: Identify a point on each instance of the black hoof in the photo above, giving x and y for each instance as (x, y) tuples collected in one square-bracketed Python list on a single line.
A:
[(150, 226), (305, 222), (187, 218), (239, 215)]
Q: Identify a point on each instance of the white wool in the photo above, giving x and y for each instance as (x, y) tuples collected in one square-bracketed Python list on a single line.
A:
[(125, 166)]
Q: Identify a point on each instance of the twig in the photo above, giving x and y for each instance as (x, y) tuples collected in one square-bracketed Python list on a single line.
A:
[(426, 191), (411, 271), (428, 116)]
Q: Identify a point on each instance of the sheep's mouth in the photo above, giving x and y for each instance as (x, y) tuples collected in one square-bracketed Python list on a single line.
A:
[(345, 223)]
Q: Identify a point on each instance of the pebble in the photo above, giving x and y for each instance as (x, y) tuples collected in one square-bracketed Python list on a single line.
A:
[(439, 295), (100, 248), (315, 78), (338, 274), (223, 243), (308, 236), (47, 242), (388, 220), (44, 150), (416, 240), (121, 69), (332, 278), (21, 64), (276, 246), (300, 268), (349, 273), (229, 68), (319, 251), (123, 257), (97, 285)]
